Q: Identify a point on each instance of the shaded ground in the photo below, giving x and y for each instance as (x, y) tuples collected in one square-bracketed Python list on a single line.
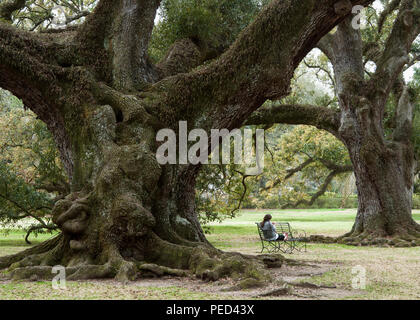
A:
[(180, 288), (323, 272)]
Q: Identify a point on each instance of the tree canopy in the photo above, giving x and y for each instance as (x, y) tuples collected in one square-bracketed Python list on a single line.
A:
[(104, 87)]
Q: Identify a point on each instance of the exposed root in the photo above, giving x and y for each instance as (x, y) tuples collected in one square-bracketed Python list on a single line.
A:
[(127, 271), (164, 258), (283, 291), (407, 239), (154, 270), (33, 273), (44, 247), (321, 239), (89, 272), (249, 271), (210, 264), (311, 285)]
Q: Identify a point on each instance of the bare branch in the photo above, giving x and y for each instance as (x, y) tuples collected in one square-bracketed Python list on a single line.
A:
[(290, 173), (242, 196), (326, 71), (322, 189)]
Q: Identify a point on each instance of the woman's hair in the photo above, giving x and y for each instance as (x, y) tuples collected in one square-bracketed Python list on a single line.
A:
[(267, 217)]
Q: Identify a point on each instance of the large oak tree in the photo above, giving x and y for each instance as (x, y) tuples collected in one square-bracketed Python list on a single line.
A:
[(104, 101)]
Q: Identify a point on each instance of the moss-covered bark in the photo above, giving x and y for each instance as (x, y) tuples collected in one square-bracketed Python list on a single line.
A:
[(96, 91), (383, 165)]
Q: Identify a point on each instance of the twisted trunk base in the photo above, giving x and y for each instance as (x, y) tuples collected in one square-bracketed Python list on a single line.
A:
[(163, 258)]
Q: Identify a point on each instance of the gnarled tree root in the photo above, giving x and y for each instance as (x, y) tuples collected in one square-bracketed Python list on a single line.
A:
[(203, 262), (154, 270), (44, 247), (407, 238)]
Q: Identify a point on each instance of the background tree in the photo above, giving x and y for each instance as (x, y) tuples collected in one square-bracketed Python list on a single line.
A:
[(304, 166), (375, 119), (31, 176)]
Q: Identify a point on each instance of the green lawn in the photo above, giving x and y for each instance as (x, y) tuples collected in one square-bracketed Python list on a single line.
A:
[(391, 273)]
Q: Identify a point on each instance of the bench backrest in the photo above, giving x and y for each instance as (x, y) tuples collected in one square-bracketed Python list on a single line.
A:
[(280, 227), (259, 230), (283, 227)]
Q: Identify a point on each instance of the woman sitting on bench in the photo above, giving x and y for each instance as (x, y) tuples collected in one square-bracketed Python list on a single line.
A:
[(269, 230)]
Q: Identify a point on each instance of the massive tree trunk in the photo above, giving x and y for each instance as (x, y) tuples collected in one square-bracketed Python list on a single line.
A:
[(383, 165), (104, 103), (384, 172)]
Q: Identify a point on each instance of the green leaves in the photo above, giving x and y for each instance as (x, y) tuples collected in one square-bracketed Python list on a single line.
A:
[(18, 199), (31, 174), (212, 24)]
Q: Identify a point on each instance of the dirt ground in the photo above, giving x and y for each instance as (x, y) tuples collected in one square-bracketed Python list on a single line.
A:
[(291, 273)]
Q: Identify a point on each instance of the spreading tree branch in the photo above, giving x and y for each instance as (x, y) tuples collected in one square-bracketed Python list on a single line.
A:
[(42, 226), (125, 27), (320, 117), (257, 67), (321, 68), (290, 173)]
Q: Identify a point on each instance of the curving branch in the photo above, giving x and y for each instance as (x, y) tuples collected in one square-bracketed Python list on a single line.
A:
[(38, 227), (323, 188), (258, 66), (56, 74), (320, 117), (325, 45), (290, 173), (321, 68), (327, 163)]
